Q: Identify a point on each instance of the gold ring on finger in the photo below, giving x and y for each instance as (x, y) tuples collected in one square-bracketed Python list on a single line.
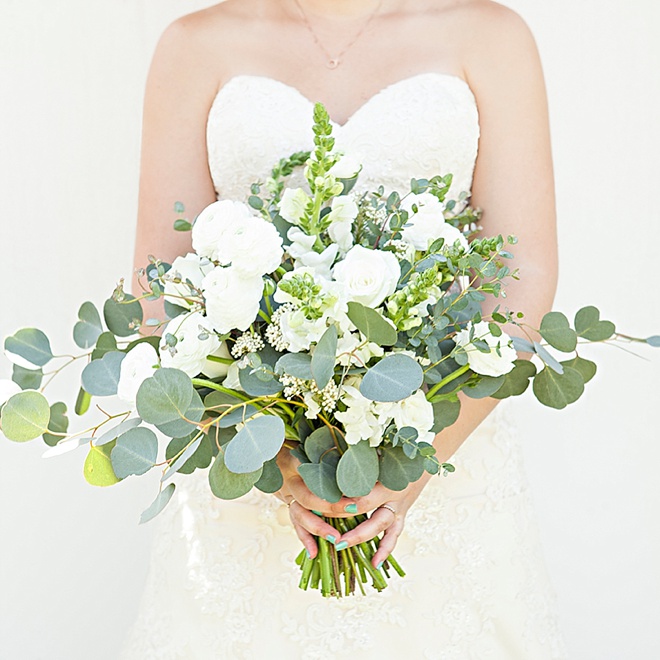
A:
[(389, 508)]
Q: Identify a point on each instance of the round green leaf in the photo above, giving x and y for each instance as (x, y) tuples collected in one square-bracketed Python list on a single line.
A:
[(298, 365), (372, 325), (190, 445), (98, 467), (394, 378), (104, 344), (59, 423), (135, 452), (357, 471), (30, 344), (484, 387), (228, 485), (257, 442), (123, 318), (321, 479), (445, 413), (318, 443), (271, 479), (158, 504), (587, 368), (556, 330), (397, 470), (589, 325), (254, 385), (101, 377), (25, 416), (323, 358), (88, 328), (199, 458), (165, 397), (177, 428), (558, 390), (27, 379), (516, 381), (653, 341)]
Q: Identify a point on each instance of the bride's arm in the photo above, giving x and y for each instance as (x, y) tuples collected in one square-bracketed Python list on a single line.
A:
[(513, 184)]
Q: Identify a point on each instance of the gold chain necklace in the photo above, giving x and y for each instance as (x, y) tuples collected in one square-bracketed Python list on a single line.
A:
[(334, 61)]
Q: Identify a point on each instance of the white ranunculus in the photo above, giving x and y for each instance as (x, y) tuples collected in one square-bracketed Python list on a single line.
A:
[(253, 246), (232, 300), (417, 412), (139, 364), (369, 276), (346, 167), (7, 390), (189, 353), (208, 231), (428, 223), (192, 267), (498, 361), (214, 369), (301, 250), (359, 420), (293, 204), (343, 213)]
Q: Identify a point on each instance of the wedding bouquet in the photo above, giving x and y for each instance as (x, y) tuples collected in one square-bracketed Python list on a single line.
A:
[(337, 324)]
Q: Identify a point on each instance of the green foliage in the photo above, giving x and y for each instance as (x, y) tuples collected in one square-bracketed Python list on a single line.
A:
[(445, 413), (318, 443), (323, 358), (321, 479), (123, 317), (371, 324), (180, 224), (257, 442), (106, 343), (397, 470), (653, 341), (25, 416), (27, 379), (83, 402), (101, 377), (88, 328), (357, 470), (587, 368), (298, 365), (116, 431), (259, 381), (548, 358), (484, 386), (589, 326), (221, 403), (556, 330), (517, 380), (228, 485), (271, 479), (98, 466), (558, 390), (161, 501), (59, 423), (30, 344), (394, 378), (135, 452), (186, 448)]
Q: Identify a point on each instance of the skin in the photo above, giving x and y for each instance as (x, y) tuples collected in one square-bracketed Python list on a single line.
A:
[(484, 43)]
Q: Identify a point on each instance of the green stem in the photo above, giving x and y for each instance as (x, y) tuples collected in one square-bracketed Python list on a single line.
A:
[(448, 379), (202, 382)]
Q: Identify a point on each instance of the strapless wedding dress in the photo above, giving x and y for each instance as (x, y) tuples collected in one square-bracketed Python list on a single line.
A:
[(223, 583)]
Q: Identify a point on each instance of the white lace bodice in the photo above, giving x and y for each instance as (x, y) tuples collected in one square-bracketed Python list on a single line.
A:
[(420, 126)]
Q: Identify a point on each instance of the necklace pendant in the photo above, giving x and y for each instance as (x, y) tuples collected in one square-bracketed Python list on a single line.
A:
[(333, 63)]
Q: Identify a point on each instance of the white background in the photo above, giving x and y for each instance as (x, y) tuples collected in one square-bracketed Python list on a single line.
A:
[(72, 558)]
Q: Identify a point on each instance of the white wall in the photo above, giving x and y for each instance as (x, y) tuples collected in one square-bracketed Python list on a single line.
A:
[(72, 559)]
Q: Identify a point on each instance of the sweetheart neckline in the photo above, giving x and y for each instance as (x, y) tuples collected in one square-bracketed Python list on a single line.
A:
[(383, 90)]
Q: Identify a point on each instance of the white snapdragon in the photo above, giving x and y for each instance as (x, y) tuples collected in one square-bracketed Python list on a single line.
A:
[(192, 268), (293, 204), (298, 331), (139, 364), (428, 223), (369, 276), (343, 212), (232, 300), (499, 360), (211, 224), (346, 167), (301, 249), (195, 340)]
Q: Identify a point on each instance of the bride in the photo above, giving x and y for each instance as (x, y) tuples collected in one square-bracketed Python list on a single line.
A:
[(415, 88)]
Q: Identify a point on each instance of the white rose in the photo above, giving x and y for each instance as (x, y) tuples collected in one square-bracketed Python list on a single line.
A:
[(189, 353), (214, 369), (139, 364), (7, 390), (253, 246), (428, 223), (232, 300), (343, 213), (211, 224), (417, 412), (369, 276), (293, 204), (498, 361), (346, 167), (192, 267), (301, 249)]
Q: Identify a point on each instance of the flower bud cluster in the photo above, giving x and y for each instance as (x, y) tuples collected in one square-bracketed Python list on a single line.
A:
[(274, 334), (308, 294), (247, 343), (325, 399), (422, 287)]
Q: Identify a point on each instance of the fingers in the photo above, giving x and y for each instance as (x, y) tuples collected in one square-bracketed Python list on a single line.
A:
[(378, 522), (345, 507), (308, 525)]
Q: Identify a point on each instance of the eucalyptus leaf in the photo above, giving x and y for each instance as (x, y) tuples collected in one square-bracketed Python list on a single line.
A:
[(323, 358), (164, 397), (516, 381), (556, 330), (101, 377), (83, 401), (587, 368), (321, 479), (257, 442), (271, 479), (256, 386), (25, 416), (547, 357), (88, 328), (558, 390), (318, 443), (27, 379), (298, 365), (228, 485), (158, 504), (372, 325), (116, 431), (653, 341), (199, 458), (394, 378), (59, 423), (98, 466), (523, 345), (396, 470), (123, 318), (357, 471), (193, 442), (177, 428), (30, 344), (486, 386), (135, 452), (104, 344), (445, 413), (172, 310), (589, 326)]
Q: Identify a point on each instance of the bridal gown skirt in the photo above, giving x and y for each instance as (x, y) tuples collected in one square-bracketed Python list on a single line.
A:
[(223, 583)]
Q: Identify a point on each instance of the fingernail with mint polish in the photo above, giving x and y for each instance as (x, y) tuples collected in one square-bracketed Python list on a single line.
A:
[(351, 508), (309, 556), (331, 538), (342, 546), (318, 513), (380, 565)]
